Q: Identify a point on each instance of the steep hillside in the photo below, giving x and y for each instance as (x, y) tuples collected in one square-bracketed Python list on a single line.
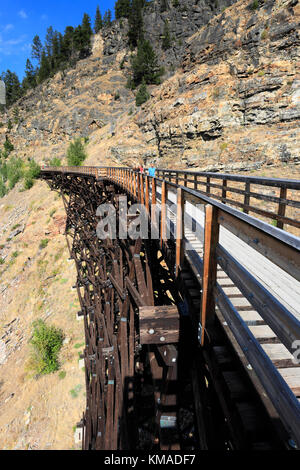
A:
[(229, 101)]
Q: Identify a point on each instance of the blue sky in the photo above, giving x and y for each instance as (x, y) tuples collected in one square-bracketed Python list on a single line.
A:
[(21, 20)]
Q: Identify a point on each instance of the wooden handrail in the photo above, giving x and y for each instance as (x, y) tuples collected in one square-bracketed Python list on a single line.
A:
[(226, 193)]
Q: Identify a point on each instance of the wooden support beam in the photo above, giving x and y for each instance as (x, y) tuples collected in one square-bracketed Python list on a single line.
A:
[(211, 238), (159, 325)]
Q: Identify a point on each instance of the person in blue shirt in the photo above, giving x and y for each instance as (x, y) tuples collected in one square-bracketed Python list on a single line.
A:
[(152, 170)]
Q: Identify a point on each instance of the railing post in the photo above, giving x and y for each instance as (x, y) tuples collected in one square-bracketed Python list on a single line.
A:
[(195, 182), (163, 217), (134, 184), (179, 231), (153, 191), (142, 189), (208, 184), (224, 191), (185, 180), (154, 212), (147, 192), (282, 207), (247, 197), (211, 239)]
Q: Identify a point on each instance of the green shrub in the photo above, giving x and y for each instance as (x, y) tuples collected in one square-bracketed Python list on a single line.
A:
[(44, 243), (254, 5), (55, 162), (28, 183), (31, 174), (14, 172), (8, 146), (34, 170), (76, 153), (264, 34), (3, 189), (142, 95), (46, 343)]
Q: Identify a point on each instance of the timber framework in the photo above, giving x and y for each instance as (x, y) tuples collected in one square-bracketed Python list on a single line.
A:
[(193, 336)]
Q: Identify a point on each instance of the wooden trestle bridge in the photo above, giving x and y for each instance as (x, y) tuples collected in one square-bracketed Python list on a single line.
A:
[(193, 336)]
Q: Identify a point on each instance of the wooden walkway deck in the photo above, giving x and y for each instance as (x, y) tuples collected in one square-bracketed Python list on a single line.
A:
[(280, 284)]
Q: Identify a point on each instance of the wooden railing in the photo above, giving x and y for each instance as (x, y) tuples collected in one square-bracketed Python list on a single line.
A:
[(280, 247), (244, 192)]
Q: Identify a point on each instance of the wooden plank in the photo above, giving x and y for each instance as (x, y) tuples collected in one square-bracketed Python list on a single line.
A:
[(283, 255), (285, 402), (159, 324), (282, 322), (292, 378), (262, 332)]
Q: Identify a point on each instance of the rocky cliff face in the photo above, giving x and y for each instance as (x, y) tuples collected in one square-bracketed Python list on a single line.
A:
[(235, 103), (231, 104)]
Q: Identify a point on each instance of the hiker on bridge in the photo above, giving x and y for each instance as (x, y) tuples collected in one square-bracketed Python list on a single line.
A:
[(152, 170)]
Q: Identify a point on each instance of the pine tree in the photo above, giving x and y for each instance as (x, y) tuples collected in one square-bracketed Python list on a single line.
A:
[(166, 43), (13, 87), (30, 76), (98, 21), (107, 19), (135, 23), (49, 41), (67, 45), (122, 9), (145, 65), (44, 71), (56, 50), (37, 48), (86, 35), (142, 95)]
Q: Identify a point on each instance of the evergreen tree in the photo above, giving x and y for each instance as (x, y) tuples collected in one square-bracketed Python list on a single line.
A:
[(82, 37), (145, 65), (163, 6), (30, 76), (98, 21), (122, 9), (107, 19), (166, 43), (135, 23), (49, 41), (37, 48), (13, 87), (56, 50), (87, 31), (44, 70), (67, 44), (142, 95)]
